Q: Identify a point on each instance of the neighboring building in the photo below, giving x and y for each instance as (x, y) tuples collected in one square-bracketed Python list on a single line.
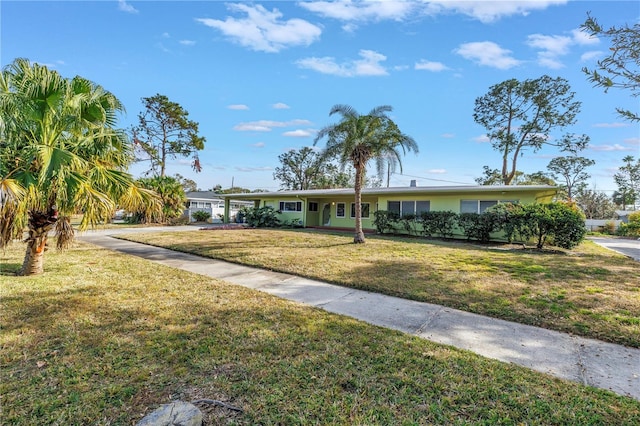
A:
[(334, 208), (212, 203)]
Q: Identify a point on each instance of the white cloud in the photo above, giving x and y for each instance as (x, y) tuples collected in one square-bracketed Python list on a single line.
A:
[(610, 125), (369, 65), (490, 11), (552, 47), (487, 53), (299, 133), (264, 30), (258, 145), (437, 171), (126, 7), (187, 42), (481, 139), (400, 10), (238, 107), (614, 147), (280, 105), (253, 169), (430, 66), (583, 38), (361, 11), (632, 141), (448, 135), (592, 54), (268, 125), (166, 35)]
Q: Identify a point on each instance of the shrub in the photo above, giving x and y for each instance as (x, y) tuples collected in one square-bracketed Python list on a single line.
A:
[(609, 228), (201, 216), (410, 223), (384, 221), (260, 217), (632, 228), (439, 223), (561, 224), (479, 226)]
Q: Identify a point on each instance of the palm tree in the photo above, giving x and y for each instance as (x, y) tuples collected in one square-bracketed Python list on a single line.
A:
[(60, 154), (356, 139)]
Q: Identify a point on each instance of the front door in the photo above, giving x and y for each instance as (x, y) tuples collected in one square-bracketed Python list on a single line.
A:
[(326, 215)]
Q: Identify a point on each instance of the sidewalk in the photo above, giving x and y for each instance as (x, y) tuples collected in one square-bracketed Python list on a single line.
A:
[(587, 361)]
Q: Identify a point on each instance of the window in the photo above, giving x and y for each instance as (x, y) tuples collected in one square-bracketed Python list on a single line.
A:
[(313, 207), (340, 210), (402, 208), (290, 206), (393, 207), (479, 206), (364, 210), (422, 206)]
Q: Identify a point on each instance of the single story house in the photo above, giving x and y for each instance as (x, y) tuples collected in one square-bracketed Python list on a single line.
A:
[(335, 208), (212, 203)]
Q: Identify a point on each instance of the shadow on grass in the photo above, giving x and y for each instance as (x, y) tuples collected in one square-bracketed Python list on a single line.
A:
[(10, 269)]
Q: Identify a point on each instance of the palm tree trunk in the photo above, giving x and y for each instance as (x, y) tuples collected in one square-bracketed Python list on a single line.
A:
[(358, 238), (34, 258), (39, 226)]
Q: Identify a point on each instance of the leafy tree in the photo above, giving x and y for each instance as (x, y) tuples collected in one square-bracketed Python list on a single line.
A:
[(628, 180), (621, 69), (164, 131), (571, 170), (189, 185), (301, 169), (520, 116), (595, 204), (494, 177), (61, 154), (171, 195), (356, 139), (233, 190)]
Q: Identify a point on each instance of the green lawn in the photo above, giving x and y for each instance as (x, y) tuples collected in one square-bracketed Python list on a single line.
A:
[(589, 291), (103, 338)]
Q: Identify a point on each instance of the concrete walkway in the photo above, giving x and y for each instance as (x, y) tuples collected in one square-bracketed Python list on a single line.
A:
[(587, 361)]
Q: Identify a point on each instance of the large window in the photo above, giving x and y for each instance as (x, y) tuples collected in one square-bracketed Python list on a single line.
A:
[(403, 208), (479, 206), (364, 210), (290, 206), (340, 210)]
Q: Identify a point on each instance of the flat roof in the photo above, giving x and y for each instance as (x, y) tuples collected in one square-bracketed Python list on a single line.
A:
[(395, 190)]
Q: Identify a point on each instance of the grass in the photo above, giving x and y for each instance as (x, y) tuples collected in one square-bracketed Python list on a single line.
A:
[(103, 338), (589, 291)]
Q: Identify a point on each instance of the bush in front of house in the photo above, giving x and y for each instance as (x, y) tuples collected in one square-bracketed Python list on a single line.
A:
[(560, 224), (438, 223), (632, 228), (201, 216), (261, 217), (385, 221), (479, 226)]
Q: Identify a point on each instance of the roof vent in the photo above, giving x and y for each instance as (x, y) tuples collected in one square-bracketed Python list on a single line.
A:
[(413, 183)]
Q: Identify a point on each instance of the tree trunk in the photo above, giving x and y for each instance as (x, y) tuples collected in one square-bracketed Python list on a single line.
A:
[(34, 258), (358, 238), (39, 226)]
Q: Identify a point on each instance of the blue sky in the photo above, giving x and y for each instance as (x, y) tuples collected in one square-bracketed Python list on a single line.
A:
[(260, 77)]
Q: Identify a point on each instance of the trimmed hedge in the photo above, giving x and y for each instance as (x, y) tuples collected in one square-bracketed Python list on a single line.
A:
[(558, 224)]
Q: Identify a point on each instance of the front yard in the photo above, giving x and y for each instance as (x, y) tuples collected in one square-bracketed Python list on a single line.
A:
[(103, 338), (589, 291)]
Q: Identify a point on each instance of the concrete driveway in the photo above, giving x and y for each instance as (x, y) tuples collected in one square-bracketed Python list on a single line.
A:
[(629, 248)]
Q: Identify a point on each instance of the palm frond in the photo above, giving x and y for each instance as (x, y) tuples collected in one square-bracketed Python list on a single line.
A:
[(12, 196)]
